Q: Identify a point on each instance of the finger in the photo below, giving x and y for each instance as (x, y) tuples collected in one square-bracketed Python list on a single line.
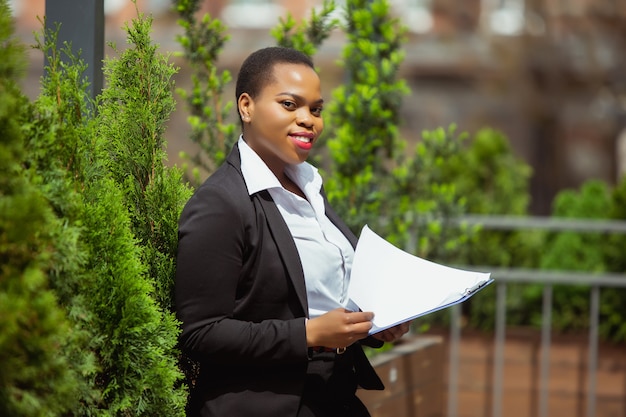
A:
[(359, 316), (393, 334), (363, 327), (406, 327), (379, 336), (386, 336)]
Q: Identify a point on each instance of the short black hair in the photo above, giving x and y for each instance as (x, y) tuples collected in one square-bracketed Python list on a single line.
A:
[(257, 70)]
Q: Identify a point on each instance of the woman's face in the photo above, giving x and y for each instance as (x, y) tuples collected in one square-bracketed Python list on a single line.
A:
[(283, 122)]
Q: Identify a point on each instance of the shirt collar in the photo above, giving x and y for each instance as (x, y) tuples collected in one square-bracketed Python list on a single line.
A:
[(256, 174), (259, 177)]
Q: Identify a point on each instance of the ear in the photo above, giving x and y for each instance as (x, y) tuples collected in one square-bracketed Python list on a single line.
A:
[(246, 107)]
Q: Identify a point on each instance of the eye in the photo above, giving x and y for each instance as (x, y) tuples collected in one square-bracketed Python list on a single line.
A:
[(288, 104), (317, 111)]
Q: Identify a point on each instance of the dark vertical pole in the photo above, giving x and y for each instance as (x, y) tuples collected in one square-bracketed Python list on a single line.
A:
[(82, 25)]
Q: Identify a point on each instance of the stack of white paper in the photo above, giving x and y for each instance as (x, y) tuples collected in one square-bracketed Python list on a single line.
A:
[(397, 286)]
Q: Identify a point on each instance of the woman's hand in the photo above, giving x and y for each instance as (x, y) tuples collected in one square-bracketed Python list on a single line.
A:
[(393, 333), (338, 328)]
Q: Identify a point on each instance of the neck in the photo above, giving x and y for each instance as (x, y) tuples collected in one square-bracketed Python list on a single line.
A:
[(291, 186)]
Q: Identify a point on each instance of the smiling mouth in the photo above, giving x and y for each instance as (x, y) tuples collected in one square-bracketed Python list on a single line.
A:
[(304, 142), (303, 138)]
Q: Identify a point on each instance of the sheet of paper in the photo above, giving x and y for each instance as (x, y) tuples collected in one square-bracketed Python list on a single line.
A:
[(398, 286)]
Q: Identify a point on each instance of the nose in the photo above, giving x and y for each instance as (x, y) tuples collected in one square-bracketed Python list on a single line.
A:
[(304, 118)]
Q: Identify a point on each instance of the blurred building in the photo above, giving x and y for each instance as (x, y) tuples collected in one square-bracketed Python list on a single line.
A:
[(551, 74)]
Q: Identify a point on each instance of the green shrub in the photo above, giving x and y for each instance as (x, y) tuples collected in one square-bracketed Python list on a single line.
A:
[(118, 207), (306, 36), (589, 252), (362, 119), (133, 112), (209, 111), (37, 378)]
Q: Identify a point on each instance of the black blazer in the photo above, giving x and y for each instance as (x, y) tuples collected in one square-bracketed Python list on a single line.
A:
[(240, 295)]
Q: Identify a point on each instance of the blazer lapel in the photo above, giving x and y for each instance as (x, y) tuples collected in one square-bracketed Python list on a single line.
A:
[(286, 246)]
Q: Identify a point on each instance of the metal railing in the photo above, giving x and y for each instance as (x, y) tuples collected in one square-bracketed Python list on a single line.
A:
[(548, 279)]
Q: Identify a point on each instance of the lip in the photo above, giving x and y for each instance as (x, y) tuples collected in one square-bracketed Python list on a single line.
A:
[(296, 139)]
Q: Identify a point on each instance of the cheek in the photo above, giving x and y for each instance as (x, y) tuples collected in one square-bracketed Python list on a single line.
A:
[(319, 126), (274, 119)]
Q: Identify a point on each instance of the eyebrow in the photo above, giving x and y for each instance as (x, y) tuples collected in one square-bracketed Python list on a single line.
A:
[(299, 97)]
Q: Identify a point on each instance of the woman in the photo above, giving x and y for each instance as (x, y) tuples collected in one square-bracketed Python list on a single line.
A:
[(264, 264)]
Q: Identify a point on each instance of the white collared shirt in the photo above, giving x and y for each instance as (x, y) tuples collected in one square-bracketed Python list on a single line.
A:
[(325, 253)]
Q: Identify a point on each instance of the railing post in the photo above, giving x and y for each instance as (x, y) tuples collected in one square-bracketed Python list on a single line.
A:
[(453, 371), (546, 340), (498, 368), (594, 311), (82, 25)]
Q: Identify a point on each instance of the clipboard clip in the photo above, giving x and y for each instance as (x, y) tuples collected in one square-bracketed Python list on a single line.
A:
[(473, 289)]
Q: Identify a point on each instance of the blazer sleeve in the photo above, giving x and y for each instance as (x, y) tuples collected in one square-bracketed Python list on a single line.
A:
[(213, 233)]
